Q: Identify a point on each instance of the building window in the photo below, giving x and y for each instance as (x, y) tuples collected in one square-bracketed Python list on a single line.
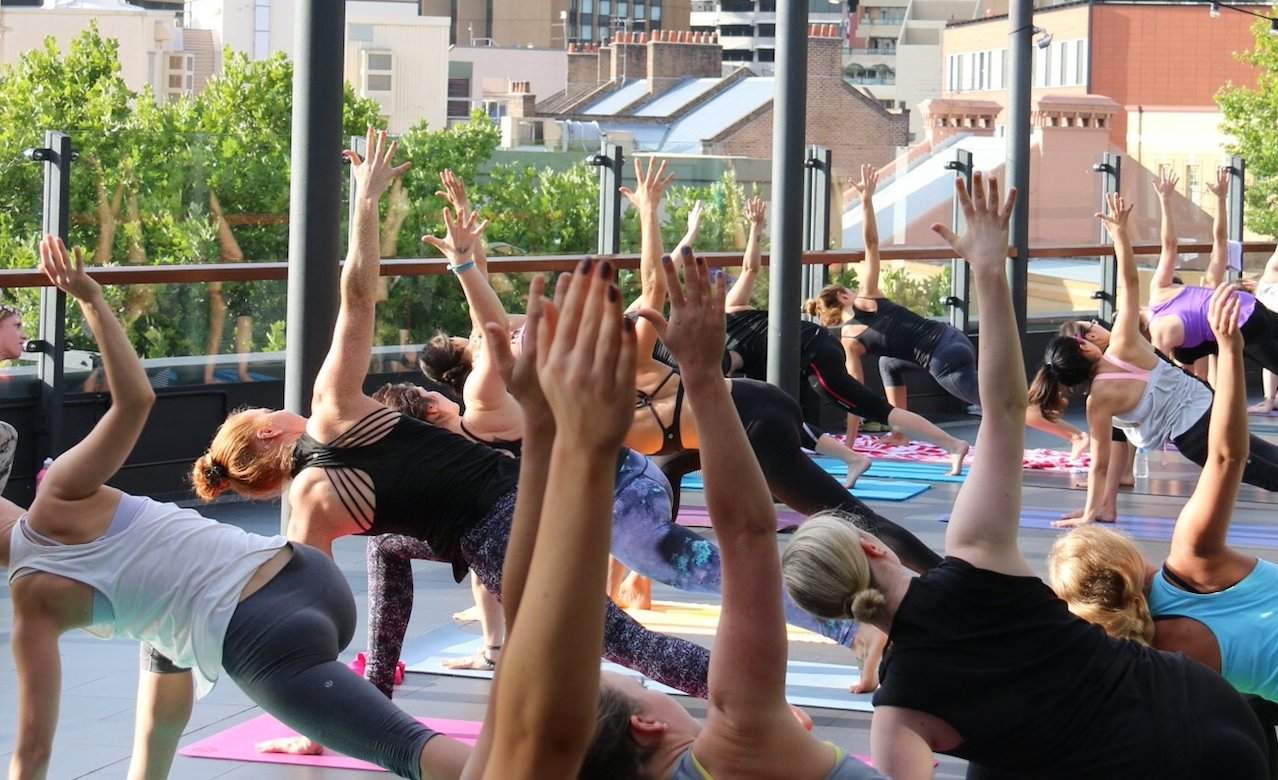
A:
[(605, 7), (737, 55), (261, 29), (767, 55), (1066, 68), (951, 83), (998, 69), (767, 6), (458, 98), (1194, 184), (737, 6), (587, 32), (1080, 59), (640, 11), (729, 30), (378, 72), (1040, 67), (768, 30), (982, 76), (623, 9), (965, 72), (655, 11), (587, 6)]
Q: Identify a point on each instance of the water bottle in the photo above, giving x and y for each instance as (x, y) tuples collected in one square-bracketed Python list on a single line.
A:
[(43, 470), (1140, 467)]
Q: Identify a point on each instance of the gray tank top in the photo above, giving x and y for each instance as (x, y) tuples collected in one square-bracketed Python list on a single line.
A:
[(1170, 405), (845, 768), (168, 576)]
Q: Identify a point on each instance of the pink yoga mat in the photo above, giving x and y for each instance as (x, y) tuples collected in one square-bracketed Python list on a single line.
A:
[(238, 743), (699, 517)]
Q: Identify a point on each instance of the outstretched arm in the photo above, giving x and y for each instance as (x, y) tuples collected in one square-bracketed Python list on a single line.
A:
[(1126, 333), (650, 184), (549, 676), (983, 527), (869, 287), (1165, 186), (747, 663), (454, 191), (1218, 266), (340, 380), (82, 470), (742, 292), (689, 239), (1203, 523)]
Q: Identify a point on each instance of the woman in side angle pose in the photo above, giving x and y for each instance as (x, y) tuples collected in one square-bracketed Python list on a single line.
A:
[(357, 468), (823, 361), (1059, 698), (203, 597), (1208, 600), (749, 731), (1151, 400), (1178, 323)]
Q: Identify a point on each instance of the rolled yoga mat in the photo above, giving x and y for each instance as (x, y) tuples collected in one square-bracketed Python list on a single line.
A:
[(808, 684), (1154, 529)]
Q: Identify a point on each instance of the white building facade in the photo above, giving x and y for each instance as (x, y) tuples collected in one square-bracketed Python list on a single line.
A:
[(747, 29)]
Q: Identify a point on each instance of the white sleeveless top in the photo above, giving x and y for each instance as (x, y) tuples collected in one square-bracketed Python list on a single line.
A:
[(172, 578), (1172, 402)]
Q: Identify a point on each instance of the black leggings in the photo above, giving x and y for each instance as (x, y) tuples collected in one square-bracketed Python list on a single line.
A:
[(774, 427), (952, 364), (1260, 337), (281, 648), (827, 374), (1262, 458)]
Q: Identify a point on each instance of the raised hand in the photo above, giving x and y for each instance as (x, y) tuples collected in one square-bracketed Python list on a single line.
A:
[(694, 333), (67, 275), (374, 174), (755, 211), (694, 221), (1222, 315), (461, 233), (1221, 188), (520, 372), (868, 184), (1165, 184), (984, 242), (1115, 217), (650, 185), (586, 361), (454, 190)]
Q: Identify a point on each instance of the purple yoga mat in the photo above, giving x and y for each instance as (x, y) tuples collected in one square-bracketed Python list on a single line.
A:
[(238, 743), (1156, 529), (699, 517)]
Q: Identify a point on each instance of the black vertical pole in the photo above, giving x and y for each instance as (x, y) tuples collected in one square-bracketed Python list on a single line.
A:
[(609, 161), (1111, 170), (1237, 196), (1021, 22), (56, 156), (315, 196), (817, 188), (789, 109), (960, 300)]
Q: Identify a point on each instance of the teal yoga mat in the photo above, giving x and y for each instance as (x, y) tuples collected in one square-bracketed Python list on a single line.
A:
[(808, 684), (866, 489), (1155, 529), (895, 469)]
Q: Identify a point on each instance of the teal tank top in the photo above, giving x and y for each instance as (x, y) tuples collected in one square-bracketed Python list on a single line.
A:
[(1244, 619)]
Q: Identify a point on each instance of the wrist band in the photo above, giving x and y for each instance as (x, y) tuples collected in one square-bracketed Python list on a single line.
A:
[(460, 267)]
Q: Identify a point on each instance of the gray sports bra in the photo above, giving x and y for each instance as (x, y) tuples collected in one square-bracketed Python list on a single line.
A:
[(845, 768)]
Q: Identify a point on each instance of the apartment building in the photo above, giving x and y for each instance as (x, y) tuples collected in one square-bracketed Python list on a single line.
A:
[(747, 28), (542, 24)]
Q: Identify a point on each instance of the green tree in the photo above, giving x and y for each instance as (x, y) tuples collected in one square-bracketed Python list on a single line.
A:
[(1251, 117)]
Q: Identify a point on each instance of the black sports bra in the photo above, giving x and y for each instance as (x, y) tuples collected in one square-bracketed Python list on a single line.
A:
[(512, 447), (671, 440)]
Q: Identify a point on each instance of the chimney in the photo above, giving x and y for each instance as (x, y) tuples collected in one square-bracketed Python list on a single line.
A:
[(946, 117), (521, 102), (674, 56), (603, 63), (583, 71), (1073, 121), (825, 51), (629, 57)]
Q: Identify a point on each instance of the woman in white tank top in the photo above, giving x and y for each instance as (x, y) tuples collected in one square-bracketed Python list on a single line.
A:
[(201, 595)]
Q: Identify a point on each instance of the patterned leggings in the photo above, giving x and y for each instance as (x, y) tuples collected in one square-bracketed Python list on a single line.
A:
[(674, 662)]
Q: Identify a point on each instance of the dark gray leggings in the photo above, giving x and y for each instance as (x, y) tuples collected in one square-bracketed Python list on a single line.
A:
[(281, 649), (952, 365)]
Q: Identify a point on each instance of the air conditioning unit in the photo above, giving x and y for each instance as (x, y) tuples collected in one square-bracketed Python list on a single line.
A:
[(377, 76)]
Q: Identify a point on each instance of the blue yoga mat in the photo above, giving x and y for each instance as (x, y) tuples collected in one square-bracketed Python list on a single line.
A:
[(1156, 529), (808, 683), (866, 489), (895, 469)]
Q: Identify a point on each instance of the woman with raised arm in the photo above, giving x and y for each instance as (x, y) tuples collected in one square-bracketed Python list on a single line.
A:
[(823, 366), (901, 339), (203, 597), (1131, 388), (749, 731), (1208, 600), (357, 468), (772, 419), (1178, 323), (1058, 698)]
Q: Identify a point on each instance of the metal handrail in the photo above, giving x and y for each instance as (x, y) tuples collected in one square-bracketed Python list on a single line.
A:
[(249, 272)]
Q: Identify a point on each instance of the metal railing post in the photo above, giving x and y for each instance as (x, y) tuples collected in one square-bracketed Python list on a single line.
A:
[(56, 157), (1237, 196), (960, 298), (609, 161), (1111, 170), (818, 185), (1020, 104)]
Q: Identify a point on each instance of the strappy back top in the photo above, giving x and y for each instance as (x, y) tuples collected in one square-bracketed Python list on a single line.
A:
[(671, 440), (397, 474), (1170, 404), (1190, 307), (894, 331)]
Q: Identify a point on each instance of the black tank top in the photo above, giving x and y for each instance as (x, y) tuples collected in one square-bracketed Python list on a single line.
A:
[(895, 331), (1034, 690), (748, 337), (428, 482)]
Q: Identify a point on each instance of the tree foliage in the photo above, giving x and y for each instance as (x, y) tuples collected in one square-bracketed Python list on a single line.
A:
[(1251, 117)]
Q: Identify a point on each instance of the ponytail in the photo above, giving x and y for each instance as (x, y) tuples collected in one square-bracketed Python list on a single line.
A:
[(826, 306), (1100, 574), (1047, 394)]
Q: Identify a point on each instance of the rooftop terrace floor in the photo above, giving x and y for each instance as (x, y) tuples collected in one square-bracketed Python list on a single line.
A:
[(99, 678)]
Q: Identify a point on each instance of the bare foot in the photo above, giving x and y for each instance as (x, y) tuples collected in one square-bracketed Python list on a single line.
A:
[(635, 592), (956, 459), (895, 439), (468, 615), (868, 649), (856, 468), (296, 746), (1262, 408), (483, 661), (1075, 521)]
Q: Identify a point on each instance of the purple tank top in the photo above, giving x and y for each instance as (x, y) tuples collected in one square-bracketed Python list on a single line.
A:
[(1191, 307)]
